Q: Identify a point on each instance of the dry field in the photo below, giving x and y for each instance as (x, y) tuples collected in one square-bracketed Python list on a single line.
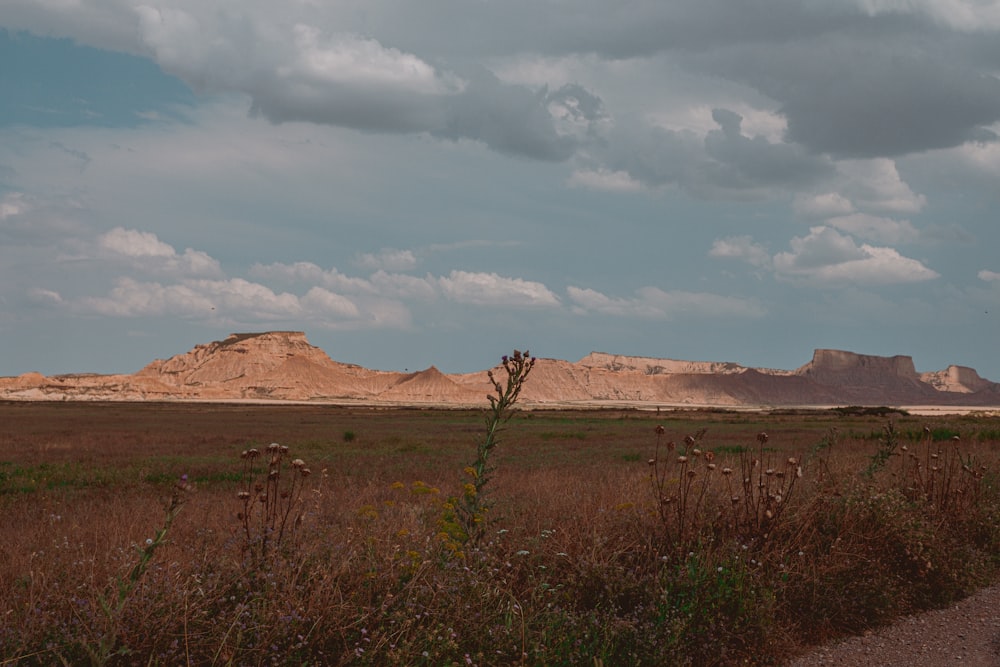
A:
[(136, 534)]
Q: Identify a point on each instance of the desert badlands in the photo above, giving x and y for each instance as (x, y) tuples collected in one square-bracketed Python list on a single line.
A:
[(284, 366)]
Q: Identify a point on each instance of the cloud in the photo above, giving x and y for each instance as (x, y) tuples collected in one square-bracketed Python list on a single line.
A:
[(312, 274), (490, 289), (868, 87), (989, 276), (152, 254), (823, 205), (723, 163), (603, 179), (740, 247), (655, 303), (133, 243), (826, 257), (510, 119), (320, 301), (967, 15), (874, 228), (388, 259), (746, 162), (11, 204), (875, 185)]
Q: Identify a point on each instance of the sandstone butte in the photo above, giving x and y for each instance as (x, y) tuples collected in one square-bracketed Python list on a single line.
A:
[(284, 366)]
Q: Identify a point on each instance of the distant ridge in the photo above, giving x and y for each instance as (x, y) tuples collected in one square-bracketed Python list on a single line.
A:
[(284, 366)]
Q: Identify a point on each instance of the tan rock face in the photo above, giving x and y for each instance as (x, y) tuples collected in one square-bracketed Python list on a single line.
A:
[(283, 365)]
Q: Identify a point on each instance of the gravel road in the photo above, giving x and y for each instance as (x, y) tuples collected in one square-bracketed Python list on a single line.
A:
[(966, 633)]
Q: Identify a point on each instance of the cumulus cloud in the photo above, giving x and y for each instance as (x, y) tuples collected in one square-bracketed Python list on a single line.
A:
[(152, 254), (11, 204), (324, 302), (388, 259), (312, 274), (490, 289), (874, 228), (827, 257), (823, 205), (722, 163), (603, 179), (876, 185), (655, 303), (989, 276), (969, 15), (740, 247)]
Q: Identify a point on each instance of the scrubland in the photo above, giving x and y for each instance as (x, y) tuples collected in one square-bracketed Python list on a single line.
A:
[(153, 534)]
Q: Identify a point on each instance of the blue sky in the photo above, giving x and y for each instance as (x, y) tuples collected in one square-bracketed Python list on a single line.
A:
[(438, 183)]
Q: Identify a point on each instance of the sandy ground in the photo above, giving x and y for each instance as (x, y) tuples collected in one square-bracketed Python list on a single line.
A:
[(966, 633)]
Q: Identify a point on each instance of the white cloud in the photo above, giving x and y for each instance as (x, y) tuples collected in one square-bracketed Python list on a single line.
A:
[(490, 289), (400, 285), (604, 179), (323, 302), (827, 257), (655, 303), (989, 276), (355, 60), (153, 255), (874, 228), (740, 247), (131, 298), (387, 259), (133, 243), (312, 274), (875, 185), (966, 15), (11, 204), (823, 205)]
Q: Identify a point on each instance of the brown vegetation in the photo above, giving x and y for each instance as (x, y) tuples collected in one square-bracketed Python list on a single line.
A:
[(601, 544)]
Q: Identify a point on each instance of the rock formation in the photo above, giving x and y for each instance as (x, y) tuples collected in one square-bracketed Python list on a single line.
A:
[(284, 366)]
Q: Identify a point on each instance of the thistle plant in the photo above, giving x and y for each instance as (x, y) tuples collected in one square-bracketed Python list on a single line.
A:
[(941, 476), (469, 510), (112, 606), (767, 488), (680, 483), (271, 496)]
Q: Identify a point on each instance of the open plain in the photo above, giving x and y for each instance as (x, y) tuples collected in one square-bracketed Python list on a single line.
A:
[(620, 535)]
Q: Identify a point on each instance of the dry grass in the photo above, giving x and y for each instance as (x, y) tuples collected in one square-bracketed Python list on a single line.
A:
[(586, 554)]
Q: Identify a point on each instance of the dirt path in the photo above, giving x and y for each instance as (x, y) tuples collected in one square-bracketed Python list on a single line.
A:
[(966, 633)]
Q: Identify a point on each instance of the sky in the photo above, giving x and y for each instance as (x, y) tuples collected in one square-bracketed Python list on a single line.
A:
[(438, 183)]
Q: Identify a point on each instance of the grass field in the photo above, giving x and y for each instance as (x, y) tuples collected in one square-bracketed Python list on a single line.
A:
[(136, 533)]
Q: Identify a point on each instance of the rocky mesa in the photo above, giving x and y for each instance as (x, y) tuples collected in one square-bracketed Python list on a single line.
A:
[(284, 366)]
